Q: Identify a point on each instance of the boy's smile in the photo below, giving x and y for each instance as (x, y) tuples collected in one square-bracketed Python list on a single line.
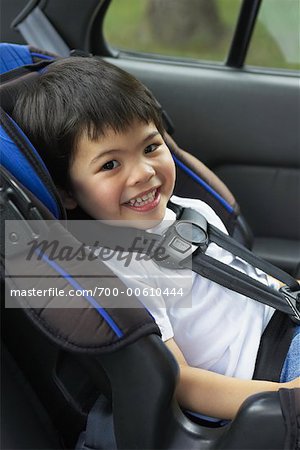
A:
[(145, 201), (125, 176)]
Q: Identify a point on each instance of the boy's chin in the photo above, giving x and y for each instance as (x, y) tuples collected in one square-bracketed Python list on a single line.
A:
[(142, 224)]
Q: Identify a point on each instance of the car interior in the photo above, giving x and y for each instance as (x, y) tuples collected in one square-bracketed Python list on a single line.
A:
[(66, 384)]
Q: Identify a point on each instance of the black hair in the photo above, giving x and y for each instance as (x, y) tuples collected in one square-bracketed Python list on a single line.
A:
[(77, 95)]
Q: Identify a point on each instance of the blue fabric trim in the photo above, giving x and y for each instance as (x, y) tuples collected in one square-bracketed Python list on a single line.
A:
[(220, 422), (199, 180), (89, 298), (13, 56), (17, 164), (21, 132), (40, 55)]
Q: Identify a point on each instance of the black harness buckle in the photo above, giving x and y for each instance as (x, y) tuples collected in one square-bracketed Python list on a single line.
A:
[(293, 300), (180, 240)]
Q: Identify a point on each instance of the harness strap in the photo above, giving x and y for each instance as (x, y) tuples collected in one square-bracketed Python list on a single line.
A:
[(239, 282), (99, 429), (231, 245), (286, 299), (234, 247), (274, 345)]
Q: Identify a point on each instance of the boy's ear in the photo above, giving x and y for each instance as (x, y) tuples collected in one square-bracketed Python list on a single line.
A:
[(68, 200)]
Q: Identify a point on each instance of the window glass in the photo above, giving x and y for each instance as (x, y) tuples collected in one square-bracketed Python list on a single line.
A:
[(275, 42), (201, 29)]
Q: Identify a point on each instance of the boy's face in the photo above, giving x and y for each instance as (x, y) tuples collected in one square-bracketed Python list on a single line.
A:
[(126, 176)]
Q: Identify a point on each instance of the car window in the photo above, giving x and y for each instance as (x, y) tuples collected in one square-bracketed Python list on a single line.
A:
[(198, 29), (275, 42)]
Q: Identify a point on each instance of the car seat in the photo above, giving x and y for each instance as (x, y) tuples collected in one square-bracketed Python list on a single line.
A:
[(70, 362)]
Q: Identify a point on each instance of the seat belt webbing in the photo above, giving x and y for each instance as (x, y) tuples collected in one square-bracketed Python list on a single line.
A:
[(38, 31)]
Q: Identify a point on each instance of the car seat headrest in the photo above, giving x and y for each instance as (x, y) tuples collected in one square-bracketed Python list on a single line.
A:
[(19, 77), (19, 68), (18, 155), (13, 56), (22, 160)]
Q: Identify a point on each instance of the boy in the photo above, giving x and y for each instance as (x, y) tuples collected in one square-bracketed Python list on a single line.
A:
[(100, 133)]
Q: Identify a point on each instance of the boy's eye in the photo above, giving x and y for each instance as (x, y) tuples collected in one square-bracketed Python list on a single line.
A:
[(151, 148), (110, 165)]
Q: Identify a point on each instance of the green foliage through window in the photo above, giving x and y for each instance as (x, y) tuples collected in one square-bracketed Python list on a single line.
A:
[(200, 29), (276, 39), (203, 29)]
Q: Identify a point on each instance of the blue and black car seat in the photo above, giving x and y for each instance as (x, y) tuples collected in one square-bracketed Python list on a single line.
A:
[(101, 374)]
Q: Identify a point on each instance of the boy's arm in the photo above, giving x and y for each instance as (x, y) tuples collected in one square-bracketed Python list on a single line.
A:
[(213, 394), (280, 282)]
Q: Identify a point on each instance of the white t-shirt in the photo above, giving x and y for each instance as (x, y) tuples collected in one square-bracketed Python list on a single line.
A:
[(215, 328)]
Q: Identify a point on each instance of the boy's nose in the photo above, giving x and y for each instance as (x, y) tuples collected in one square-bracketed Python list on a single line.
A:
[(141, 173)]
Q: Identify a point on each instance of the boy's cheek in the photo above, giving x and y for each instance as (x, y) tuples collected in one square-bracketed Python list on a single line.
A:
[(171, 171)]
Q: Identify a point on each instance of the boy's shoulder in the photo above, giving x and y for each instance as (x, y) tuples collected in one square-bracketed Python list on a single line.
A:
[(202, 208)]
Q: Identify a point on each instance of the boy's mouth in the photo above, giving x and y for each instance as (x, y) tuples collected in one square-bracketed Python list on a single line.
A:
[(145, 201)]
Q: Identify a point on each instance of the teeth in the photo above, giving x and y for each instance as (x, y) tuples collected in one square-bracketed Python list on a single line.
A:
[(144, 200)]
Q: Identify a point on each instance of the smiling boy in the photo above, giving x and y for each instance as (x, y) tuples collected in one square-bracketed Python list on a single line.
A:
[(126, 176), (100, 133)]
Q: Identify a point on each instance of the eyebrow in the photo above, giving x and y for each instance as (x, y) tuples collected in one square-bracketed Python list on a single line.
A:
[(112, 150)]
